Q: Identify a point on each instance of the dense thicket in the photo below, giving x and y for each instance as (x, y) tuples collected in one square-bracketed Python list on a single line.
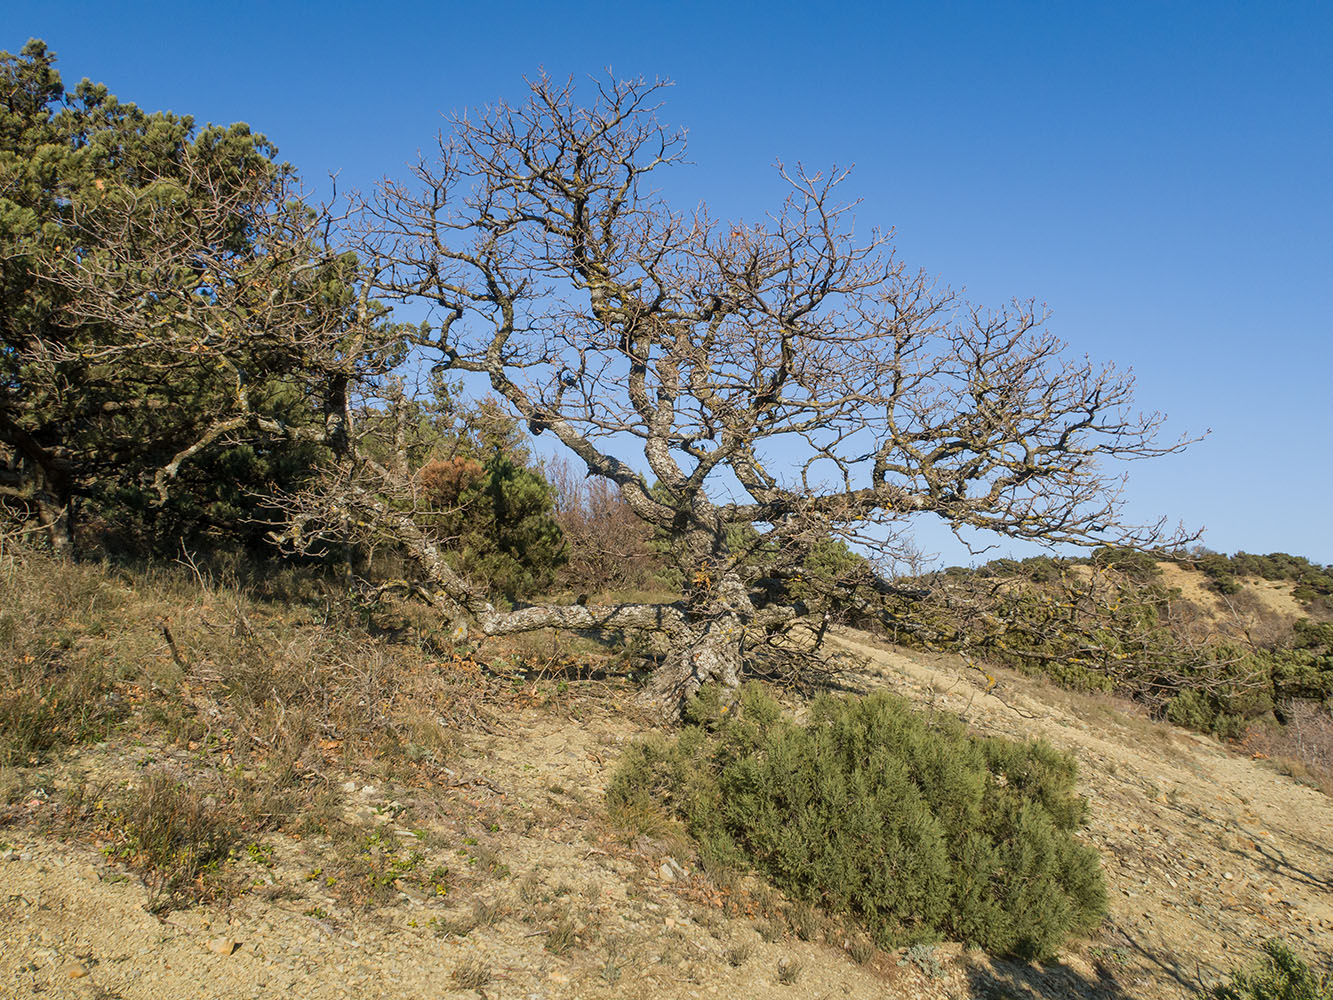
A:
[(488, 505), (93, 192), (1110, 622), (1313, 583), (183, 350), (907, 822)]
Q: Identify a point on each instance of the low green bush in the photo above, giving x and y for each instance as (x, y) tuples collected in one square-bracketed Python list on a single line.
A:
[(907, 822), (1202, 711), (1280, 974)]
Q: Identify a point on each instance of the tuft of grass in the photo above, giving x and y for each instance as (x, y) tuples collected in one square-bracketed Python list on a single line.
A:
[(530, 890), (460, 926), (805, 922), (789, 971), (484, 913), (562, 936), (178, 838), (862, 949), (614, 958), (471, 974), (487, 912), (634, 818), (738, 954)]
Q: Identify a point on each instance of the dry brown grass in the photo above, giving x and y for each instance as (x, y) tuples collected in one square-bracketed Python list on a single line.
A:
[(1302, 748), (276, 678), (58, 678), (179, 837), (262, 694), (471, 974), (738, 954), (562, 935)]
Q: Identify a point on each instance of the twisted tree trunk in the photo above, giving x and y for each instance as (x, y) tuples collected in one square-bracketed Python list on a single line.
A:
[(707, 649), (703, 654)]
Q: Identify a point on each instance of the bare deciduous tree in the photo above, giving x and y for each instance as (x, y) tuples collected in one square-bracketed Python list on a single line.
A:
[(751, 389)]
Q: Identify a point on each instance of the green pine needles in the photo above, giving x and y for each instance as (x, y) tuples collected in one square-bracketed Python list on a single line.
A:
[(905, 821)]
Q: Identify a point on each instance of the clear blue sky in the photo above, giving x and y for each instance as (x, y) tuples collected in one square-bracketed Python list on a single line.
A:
[(1161, 174)]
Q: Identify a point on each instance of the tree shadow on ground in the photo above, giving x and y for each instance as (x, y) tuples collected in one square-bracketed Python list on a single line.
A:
[(1122, 969), (997, 980)]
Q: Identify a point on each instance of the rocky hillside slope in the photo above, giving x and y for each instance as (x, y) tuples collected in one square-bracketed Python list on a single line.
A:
[(502, 876)]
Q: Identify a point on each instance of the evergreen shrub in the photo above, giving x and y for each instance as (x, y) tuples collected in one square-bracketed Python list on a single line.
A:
[(496, 519), (1280, 974), (904, 821)]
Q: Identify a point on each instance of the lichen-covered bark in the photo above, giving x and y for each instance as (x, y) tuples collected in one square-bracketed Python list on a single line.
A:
[(711, 653), (708, 649), (610, 617)]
